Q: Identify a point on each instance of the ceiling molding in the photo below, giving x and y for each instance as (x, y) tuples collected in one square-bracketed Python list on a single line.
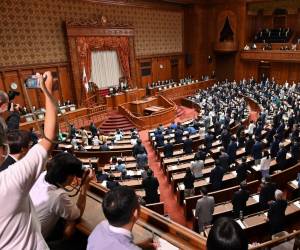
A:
[(154, 4)]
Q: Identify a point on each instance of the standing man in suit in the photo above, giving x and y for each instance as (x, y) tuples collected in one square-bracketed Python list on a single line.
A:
[(150, 184), (267, 192), (178, 135), (232, 148), (257, 151), (241, 170), (188, 145), (168, 149), (274, 148), (276, 213), (224, 160), (18, 142), (216, 176), (239, 200), (281, 157), (204, 209)]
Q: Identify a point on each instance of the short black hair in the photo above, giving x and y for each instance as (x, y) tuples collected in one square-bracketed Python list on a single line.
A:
[(18, 139), (61, 166), (226, 234), (119, 205), (204, 190)]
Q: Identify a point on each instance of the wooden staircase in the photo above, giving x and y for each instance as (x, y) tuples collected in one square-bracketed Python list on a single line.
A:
[(115, 120)]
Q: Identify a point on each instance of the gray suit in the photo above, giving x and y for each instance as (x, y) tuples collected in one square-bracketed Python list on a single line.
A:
[(204, 211)]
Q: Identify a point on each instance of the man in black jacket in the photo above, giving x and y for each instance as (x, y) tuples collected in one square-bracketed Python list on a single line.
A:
[(224, 160), (216, 176), (239, 200), (281, 157), (188, 145), (159, 139), (150, 184), (178, 135), (168, 149), (138, 148), (267, 193), (276, 213), (241, 170)]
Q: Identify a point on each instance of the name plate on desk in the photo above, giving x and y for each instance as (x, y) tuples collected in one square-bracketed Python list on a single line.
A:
[(29, 117)]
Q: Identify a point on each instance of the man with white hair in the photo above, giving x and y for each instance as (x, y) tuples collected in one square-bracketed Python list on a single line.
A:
[(276, 213)]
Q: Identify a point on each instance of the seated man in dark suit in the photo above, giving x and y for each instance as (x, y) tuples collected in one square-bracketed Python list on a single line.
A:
[(150, 184), (18, 142), (208, 140), (239, 200), (104, 146), (168, 149), (93, 129), (201, 153), (216, 176), (159, 139), (276, 213), (267, 193), (178, 135), (188, 145)]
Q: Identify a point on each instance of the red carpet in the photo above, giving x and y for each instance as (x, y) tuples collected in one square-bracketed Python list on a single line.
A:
[(172, 208)]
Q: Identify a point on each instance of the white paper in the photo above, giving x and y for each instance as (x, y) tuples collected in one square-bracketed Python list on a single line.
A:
[(256, 167), (241, 224), (256, 197), (297, 204), (266, 214), (207, 179), (164, 245), (181, 186)]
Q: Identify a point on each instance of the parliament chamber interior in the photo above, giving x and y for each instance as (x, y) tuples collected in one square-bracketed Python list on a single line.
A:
[(164, 124)]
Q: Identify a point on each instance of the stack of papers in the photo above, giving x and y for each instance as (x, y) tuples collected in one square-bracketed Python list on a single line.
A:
[(256, 197)]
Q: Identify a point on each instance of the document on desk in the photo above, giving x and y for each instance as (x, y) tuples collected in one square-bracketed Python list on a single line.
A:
[(256, 167), (164, 245), (241, 224), (256, 197), (297, 204), (295, 183)]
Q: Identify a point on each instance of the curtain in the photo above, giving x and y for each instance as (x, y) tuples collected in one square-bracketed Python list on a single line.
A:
[(105, 68)]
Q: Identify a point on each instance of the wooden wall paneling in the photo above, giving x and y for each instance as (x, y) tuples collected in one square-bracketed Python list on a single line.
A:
[(10, 77), (2, 80), (24, 74), (65, 83)]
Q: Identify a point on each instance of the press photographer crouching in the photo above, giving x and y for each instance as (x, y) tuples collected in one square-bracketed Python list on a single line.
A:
[(50, 197)]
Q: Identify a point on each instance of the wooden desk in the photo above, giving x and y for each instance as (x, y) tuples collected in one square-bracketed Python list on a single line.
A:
[(123, 97), (138, 106)]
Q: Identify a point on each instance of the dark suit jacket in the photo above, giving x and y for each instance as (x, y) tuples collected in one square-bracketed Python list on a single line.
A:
[(231, 151), (159, 139), (168, 150), (104, 147), (188, 146), (178, 136), (239, 201), (216, 177), (281, 158), (267, 193), (241, 172), (9, 161), (224, 161), (150, 184), (274, 148), (276, 216), (257, 151)]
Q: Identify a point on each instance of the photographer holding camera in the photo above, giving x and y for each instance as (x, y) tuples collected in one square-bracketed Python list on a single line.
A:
[(9, 111), (18, 224), (50, 196)]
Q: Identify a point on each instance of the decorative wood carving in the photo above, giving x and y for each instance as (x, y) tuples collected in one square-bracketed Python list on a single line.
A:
[(231, 45), (99, 33)]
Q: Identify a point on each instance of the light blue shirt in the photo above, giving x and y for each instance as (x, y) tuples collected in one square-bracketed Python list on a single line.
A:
[(107, 237)]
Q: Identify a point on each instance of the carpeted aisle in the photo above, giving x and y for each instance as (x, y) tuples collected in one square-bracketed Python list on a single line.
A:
[(172, 208)]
